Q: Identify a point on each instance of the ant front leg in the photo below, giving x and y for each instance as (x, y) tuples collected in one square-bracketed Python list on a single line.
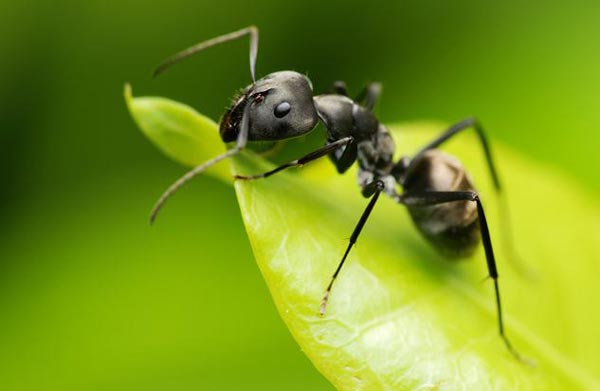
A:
[(326, 150), (344, 157), (433, 198), (339, 87), (369, 96)]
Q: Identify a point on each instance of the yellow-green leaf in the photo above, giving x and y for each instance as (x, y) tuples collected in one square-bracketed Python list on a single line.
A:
[(177, 130), (401, 316)]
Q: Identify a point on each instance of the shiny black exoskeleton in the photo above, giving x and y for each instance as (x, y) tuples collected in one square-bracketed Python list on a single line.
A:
[(434, 186)]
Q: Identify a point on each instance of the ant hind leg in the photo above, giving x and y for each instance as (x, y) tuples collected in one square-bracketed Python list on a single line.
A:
[(433, 198)]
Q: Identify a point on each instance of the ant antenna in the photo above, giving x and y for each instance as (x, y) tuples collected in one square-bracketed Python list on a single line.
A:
[(242, 140), (251, 30)]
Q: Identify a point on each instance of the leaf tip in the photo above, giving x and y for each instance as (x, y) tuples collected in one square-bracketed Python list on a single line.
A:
[(127, 93)]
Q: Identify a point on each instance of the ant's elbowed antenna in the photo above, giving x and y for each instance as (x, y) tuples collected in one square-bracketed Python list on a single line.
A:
[(241, 143), (250, 30), (242, 138)]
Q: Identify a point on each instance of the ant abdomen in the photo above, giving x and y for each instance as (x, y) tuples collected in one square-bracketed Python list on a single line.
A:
[(453, 228)]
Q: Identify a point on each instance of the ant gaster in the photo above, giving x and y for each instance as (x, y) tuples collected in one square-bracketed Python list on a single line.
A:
[(437, 191)]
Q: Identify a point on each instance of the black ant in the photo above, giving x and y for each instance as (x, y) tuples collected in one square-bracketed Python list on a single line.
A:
[(437, 191)]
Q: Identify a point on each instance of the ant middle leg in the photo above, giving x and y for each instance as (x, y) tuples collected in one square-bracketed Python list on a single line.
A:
[(372, 190), (427, 198)]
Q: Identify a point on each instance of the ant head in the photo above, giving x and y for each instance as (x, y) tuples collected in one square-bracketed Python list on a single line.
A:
[(280, 107)]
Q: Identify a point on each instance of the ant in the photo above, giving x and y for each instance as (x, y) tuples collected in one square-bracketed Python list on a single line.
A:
[(437, 190)]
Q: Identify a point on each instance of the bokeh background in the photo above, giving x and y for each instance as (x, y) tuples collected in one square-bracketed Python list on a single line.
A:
[(92, 298)]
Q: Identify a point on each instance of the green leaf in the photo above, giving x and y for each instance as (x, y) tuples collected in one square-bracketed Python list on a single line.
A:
[(402, 317), (177, 130)]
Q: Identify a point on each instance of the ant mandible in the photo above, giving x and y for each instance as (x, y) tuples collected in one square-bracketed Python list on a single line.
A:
[(437, 191)]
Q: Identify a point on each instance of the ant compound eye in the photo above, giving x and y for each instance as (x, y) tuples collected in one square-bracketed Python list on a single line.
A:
[(258, 98), (282, 109)]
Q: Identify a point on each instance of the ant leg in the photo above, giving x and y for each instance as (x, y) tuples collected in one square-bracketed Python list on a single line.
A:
[(372, 190), (250, 30), (506, 227), (433, 198), (339, 88), (366, 98), (451, 131), (344, 158), (369, 95), (329, 148), (242, 140)]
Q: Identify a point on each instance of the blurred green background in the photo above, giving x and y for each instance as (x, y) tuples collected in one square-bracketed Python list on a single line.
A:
[(92, 298)]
